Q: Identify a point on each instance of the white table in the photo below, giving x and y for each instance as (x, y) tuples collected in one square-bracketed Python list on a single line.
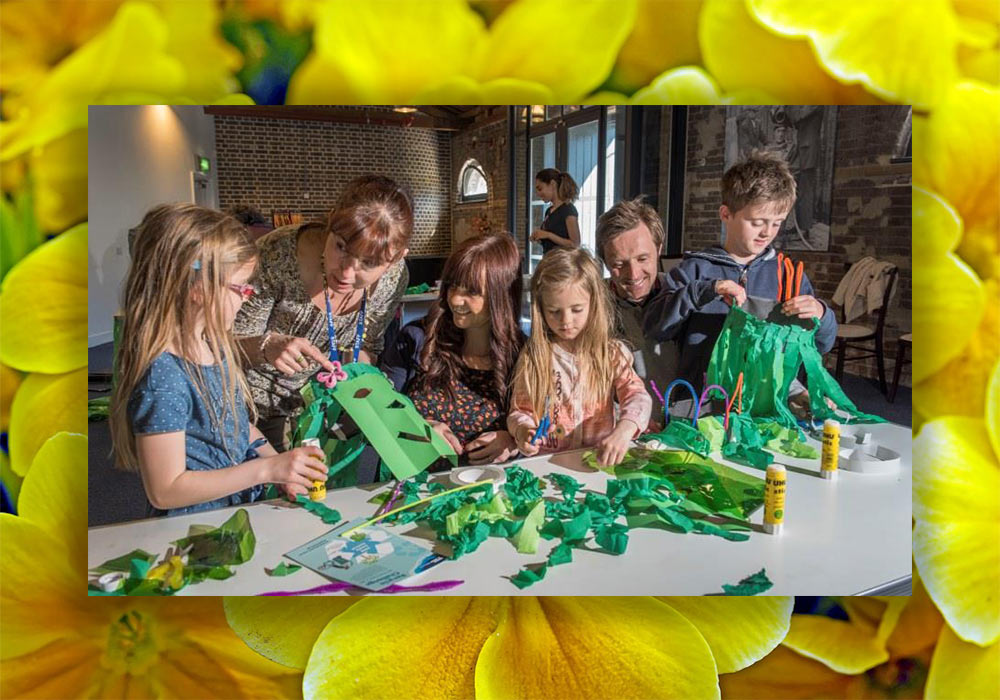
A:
[(847, 536)]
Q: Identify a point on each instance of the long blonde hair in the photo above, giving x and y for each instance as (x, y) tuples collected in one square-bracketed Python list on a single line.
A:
[(595, 351), (181, 251)]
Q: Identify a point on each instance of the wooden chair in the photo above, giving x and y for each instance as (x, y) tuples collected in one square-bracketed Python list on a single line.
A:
[(855, 336), (905, 341)]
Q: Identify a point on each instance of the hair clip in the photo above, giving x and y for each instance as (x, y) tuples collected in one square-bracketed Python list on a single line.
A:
[(196, 265)]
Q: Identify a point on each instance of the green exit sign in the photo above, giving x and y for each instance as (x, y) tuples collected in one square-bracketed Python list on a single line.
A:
[(203, 164)]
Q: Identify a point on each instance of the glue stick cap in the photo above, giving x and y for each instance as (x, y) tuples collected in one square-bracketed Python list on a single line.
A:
[(310, 442), (831, 423)]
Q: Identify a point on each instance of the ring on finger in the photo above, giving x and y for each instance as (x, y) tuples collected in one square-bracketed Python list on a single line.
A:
[(300, 359)]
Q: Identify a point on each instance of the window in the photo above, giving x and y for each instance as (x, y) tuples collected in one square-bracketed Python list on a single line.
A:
[(472, 183)]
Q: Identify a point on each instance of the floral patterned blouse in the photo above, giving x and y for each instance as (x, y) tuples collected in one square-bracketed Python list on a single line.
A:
[(283, 306)]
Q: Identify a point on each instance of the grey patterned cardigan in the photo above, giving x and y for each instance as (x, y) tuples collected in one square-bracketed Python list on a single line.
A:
[(283, 306)]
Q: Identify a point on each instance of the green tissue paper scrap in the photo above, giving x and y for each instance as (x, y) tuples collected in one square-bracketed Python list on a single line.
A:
[(751, 585), (328, 514), (282, 569)]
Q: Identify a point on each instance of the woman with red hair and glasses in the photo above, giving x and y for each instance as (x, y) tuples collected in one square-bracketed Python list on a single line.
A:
[(321, 286), (457, 363)]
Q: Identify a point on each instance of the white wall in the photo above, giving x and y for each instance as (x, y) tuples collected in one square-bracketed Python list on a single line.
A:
[(137, 157)]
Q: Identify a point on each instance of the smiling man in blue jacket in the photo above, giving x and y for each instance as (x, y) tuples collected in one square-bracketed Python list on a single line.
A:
[(757, 194)]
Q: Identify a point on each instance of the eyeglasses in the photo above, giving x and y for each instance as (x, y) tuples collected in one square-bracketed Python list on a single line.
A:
[(244, 290)]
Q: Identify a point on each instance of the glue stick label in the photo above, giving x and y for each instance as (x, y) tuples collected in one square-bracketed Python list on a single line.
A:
[(774, 495), (831, 446), (317, 492)]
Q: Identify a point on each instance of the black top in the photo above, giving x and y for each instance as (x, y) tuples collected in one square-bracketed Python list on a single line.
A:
[(555, 222)]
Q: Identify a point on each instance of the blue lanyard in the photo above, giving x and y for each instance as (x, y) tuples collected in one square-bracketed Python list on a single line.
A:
[(359, 332)]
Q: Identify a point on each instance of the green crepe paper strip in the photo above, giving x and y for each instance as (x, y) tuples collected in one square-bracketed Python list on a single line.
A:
[(526, 540), (328, 514), (683, 436), (98, 409), (233, 542), (751, 585), (750, 456), (770, 354), (613, 537), (421, 288), (522, 488), (566, 484), (122, 564), (282, 569), (711, 428)]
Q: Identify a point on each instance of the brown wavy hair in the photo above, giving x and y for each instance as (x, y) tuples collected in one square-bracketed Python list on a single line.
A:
[(566, 186), (374, 216), (489, 265)]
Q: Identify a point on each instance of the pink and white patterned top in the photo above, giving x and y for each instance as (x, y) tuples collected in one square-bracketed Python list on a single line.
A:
[(578, 422)]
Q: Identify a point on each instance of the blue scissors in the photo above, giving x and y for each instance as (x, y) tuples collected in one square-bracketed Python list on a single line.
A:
[(543, 427)]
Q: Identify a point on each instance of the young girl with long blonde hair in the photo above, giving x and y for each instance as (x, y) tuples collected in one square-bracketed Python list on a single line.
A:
[(571, 369), (180, 412)]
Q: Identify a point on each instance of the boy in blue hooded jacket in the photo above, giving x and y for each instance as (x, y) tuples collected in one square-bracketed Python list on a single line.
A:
[(757, 194)]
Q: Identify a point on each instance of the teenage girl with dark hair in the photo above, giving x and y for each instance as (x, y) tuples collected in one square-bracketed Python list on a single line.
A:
[(560, 228)]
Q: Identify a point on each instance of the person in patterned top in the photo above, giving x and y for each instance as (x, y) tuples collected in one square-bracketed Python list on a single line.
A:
[(350, 270), (456, 365)]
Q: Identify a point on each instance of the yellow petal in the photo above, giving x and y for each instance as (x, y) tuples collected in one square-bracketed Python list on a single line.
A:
[(784, 675), (740, 631), (864, 611), (60, 172), (11, 481), (741, 54), (958, 156), (571, 61), (421, 648), (900, 50), (963, 670), (282, 629), (376, 53), (840, 645), (690, 85), (919, 624), (466, 91), (128, 56), (993, 410), (43, 307), (956, 503), (42, 408), (194, 39), (951, 296), (959, 388), (10, 380), (63, 669), (53, 491), (562, 647), (665, 35)]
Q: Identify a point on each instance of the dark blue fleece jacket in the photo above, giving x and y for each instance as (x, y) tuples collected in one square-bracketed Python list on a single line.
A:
[(698, 333)]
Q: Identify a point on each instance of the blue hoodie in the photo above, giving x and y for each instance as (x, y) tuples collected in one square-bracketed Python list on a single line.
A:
[(702, 326)]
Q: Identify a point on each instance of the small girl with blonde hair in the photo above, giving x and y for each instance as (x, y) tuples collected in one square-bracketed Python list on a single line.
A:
[(180, 411), (571, 369)]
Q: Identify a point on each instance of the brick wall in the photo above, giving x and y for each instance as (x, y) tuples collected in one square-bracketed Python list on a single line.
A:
[(273, 164), (486, 143), (870, 207)]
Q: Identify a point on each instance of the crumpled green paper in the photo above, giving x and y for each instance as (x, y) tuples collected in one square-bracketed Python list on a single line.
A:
[(751, 585), (282, 569), (328, 514)]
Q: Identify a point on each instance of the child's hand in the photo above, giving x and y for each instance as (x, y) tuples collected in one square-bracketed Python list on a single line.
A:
[(293, 491), (612, 449), (522, 437), (804, 306), (444, 431), (494, 446), (731, 291), (300, 466)]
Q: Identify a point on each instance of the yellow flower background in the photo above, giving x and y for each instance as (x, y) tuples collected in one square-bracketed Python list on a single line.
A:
[(941, 56)]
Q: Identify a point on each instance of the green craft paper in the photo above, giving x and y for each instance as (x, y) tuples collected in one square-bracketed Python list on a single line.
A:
[(522, 488), (123, 563), (562, 553), (711, 428), (282, 569), (744, 454), (527, 577), (98, 409), (576, 530), (613, 537), (421, 288), (566, 484), (233, 542), (328, 514), (682, 435), (526, 540), (403, 439), (751, 585)]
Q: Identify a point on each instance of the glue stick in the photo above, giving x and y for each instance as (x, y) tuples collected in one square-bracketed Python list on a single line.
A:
[(774, 499), (317, 491), (831, 449)]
